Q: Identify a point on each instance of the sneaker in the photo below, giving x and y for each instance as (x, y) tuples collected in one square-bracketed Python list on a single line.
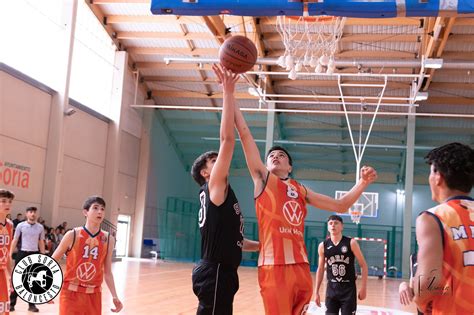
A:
[(33, 309)]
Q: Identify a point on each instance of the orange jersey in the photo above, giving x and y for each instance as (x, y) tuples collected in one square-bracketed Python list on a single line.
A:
[(6, 237), (281, 210), (457, 219), (86, 260)]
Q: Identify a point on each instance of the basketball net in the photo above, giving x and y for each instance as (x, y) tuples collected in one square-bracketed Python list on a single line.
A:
[(356, 214), (310, 42)]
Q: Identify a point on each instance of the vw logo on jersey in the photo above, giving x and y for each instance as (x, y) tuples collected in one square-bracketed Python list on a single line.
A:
[(86, 271), (293, 212), (344, 249), (37, 279)]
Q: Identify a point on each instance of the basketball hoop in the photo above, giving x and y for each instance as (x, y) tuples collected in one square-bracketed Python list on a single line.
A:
[(355, 215), (309, 41), (367, 205)]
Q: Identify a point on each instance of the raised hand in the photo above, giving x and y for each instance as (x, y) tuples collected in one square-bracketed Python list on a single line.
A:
[(226, 78), (368, 174)]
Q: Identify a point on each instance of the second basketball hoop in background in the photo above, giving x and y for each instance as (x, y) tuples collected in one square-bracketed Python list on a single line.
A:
[(238, 54)]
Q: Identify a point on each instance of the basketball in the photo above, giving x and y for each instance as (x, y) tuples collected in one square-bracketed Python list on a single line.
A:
[(238, 54)]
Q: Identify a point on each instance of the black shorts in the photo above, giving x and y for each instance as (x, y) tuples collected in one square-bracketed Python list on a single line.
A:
[(341, 297), (215, 286)]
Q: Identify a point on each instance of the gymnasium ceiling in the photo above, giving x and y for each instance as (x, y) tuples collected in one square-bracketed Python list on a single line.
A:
[(320, 143)]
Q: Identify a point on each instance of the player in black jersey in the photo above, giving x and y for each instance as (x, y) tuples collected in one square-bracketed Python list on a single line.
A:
[(337, 254), (215, 279)]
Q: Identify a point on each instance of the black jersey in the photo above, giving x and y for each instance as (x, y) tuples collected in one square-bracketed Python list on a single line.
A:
[(339, 261), (222, 228)]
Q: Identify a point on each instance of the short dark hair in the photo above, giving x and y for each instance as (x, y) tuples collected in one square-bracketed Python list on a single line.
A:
[(31, 209), (455, 161), (277, 147), (6, 194), (335, 217), (93, 199), (199, 164)]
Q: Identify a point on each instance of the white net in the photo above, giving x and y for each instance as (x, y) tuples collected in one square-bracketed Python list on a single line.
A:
[(374, 254), (309, 42), (356, 212)]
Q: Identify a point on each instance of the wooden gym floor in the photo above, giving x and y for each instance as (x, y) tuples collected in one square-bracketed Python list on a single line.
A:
[(161, 287)]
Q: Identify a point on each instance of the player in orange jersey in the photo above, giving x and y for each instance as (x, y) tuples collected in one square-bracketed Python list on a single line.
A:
[(280, 202), (445, 234), (6, 236), (88, 262)]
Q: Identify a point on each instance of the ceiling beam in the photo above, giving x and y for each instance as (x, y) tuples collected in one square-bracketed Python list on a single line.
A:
[(217, 27), (101, 17), (163, 35), (185, 80), (191, 94), (172, 51), (452, 86), (439, 50), (448, 101), (162, 19), (457, 55), (172, 66)]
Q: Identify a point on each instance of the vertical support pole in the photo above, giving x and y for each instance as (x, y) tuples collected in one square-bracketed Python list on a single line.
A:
[(407, 213), (60, 102)]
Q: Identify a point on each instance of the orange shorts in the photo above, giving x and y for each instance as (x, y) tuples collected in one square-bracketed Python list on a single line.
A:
[(285, 289), (4, 293), (78, 303)]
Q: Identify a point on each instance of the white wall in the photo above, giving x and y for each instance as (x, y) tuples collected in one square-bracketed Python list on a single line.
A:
[(129, 162), (24, 119), (24, 124), (85, 140)]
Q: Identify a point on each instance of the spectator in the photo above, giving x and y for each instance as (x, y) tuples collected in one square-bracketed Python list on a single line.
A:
[(32, 242), (19, 219)]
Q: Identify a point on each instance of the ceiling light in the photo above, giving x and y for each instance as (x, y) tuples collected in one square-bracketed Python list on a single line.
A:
[(421, 96), (433, 63)]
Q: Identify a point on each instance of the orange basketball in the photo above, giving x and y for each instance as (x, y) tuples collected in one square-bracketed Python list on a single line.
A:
[(238, 54)]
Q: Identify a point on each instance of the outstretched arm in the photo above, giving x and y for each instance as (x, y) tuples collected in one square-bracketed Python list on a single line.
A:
[(368, 176), (220, 171), (257, 169), (430, 257), (109, 277), (319, 273), (363, 267)]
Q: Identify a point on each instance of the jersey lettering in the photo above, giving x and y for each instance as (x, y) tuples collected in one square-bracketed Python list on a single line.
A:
[(202, 210), (94, 252)]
